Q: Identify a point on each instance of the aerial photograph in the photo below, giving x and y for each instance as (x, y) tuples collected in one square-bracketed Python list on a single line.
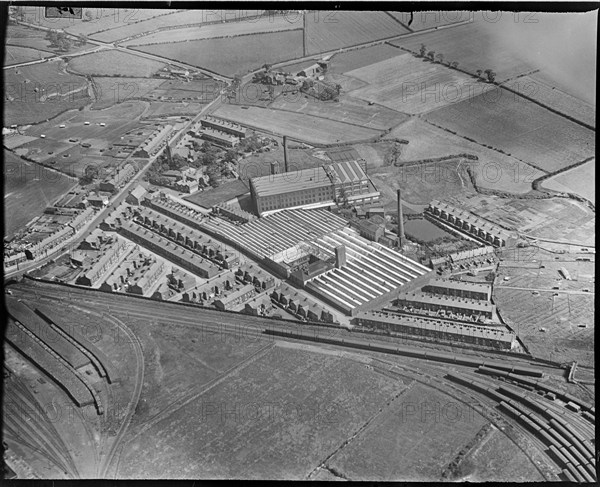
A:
[(318, 245)]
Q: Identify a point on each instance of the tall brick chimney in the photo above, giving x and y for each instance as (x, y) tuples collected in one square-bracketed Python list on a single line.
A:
[(400, 221), (285, 154), (274, 168)]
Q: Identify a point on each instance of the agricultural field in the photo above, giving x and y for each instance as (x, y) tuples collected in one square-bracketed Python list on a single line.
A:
[(240, 54), (327, 31), (416, 446), (101, 19), (276, 400), (42, 91), (28, 189), (310, 129), (580, 180), (348, 110), (413, 85), (431, 19), (358, 58), (18, 54), (228, 29), (175, 18), (493, 170), (112, 90), (473, 47), (501, 120), (199, 91), (551, 218), (567, 318), (115, 63), (542, 89), (164, 109), (23, 36)]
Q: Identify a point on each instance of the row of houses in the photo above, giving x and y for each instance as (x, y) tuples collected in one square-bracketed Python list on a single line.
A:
[(118, 180), (137, 274), (446, 303), (112, 250)]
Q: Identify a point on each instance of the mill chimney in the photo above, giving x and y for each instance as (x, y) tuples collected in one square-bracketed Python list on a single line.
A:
[(400, 221)]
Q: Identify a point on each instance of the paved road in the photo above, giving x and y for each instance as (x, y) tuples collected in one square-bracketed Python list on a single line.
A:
[(565, 291)]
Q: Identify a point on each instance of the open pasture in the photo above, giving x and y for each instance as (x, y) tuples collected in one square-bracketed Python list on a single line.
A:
[(493, 170), (28, 189), (198, 91), (228, 29), (101, 19), (561, 314), (348, 110), (24, 36), (307, 128), (165, 109), (276, 400), (543, 89), (472, 46), (358, 58), (431, 19), (171, 19), (329, 30), (112, 90), (412, 85), (580, 180), (413, 439), (19, 54), (240, 54), (501, 120), (115, 63)]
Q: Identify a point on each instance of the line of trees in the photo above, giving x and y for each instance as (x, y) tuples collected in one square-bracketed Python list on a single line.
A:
[(487, 74)]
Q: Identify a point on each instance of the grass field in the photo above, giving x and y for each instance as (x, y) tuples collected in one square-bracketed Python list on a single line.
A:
[(555, 218), (235, 54), (327, 31), (164, 109), (229, 29), (28, 189), (580, 180), (23, 36), (542, 89), (561, 315), (181, 17), (115, 63), (278, 402), (431, 19), (259, 164), (518, 127), (413, 439), (358, 58), (310, 129), (348, 110), (493, 171), (18, 54), (39, 92), (112, 90), (198, 91), (412, 85), (473, 47), (102, 18)]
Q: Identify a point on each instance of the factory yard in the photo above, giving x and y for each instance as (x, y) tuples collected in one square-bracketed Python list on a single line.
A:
[(305, 128)]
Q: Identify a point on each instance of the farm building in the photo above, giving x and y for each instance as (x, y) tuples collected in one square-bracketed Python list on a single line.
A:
[(438, 330), (169, 250), (231, 128), (470, 224), (460, 289), (136, 195), (345, 180), (110, 255), (469, 307)]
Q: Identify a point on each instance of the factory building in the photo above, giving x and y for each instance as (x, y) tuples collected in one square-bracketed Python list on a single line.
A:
[(219, 138), (470, 224), (99, 267), (232, 213), (169, 250), (344, 181), (438, 330), (459, 289), (469, 307)]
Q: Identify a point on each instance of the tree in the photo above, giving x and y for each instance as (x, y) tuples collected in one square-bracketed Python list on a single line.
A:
[(454, 64), (440, 58), (491, 76), (83, 39), (64, 44), (88, 16), (338, 89), (479, 72), (423, 50), (267, 67), (393, 154), (230, 156), (431, 55)]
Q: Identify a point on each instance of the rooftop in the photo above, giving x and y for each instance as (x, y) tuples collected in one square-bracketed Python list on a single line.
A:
[(472, 304), (464, 285), (346, 172), (288, 182)]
